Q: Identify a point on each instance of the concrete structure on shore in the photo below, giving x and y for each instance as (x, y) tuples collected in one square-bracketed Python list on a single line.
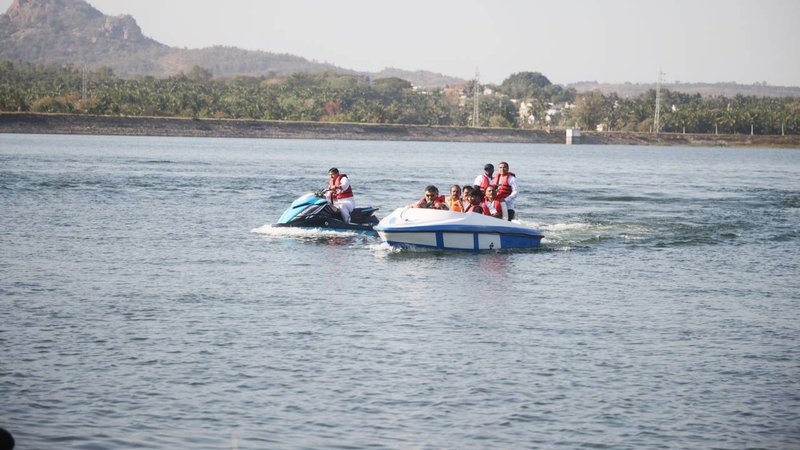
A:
[(573, 136)]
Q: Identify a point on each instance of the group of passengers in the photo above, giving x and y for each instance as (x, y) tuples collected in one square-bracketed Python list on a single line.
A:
[(492, 195)]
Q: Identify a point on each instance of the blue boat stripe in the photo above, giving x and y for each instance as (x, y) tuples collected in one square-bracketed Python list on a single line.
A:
[(439, 239), (476, 242), (462, 229)]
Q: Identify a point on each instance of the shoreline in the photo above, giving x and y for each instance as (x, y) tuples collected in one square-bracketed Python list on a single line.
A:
[(31, 123)]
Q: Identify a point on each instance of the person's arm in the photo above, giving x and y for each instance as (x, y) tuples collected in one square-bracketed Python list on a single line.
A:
[(512, 181), (344, 184), (499, 206), (418, 204)]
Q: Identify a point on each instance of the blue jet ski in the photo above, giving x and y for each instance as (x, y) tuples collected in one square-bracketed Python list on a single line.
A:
[(312, 210)]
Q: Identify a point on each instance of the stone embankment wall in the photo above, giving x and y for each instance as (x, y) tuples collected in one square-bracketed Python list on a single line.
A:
[(689, 139), (152, 126), (165, 126)]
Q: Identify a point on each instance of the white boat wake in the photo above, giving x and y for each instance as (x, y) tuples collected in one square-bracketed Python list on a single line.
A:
[(269, 230)]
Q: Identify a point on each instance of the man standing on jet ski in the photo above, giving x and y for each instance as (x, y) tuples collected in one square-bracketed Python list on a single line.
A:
[(340, 193)]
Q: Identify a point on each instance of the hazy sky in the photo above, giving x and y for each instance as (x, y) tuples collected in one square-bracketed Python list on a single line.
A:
[(745, 41)]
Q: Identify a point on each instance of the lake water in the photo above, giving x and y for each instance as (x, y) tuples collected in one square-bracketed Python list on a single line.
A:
[(147, 303)]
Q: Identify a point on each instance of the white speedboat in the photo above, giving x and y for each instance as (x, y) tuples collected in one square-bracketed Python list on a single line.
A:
[(448, 230)]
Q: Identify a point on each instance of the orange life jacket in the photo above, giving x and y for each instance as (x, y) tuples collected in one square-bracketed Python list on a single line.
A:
[(454, 205)]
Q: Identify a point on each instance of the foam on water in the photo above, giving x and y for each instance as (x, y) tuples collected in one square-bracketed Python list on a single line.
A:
[(270, 230)]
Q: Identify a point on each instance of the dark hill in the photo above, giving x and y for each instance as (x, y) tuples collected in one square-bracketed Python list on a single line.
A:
[(72, 31)]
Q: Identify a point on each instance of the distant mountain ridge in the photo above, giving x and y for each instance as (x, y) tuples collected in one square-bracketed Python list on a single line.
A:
[(705, 89), (74, 32)]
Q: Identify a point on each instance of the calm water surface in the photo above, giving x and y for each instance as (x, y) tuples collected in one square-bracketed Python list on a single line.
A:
[(147, 303)]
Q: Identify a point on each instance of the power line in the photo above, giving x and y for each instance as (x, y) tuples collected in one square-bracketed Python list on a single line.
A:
[(657, 118), (83, 84), (475, 110)]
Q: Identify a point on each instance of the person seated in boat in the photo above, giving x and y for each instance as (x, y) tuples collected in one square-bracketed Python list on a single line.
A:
[(465, 196), (431, 199), (454, 201), (506, 183), (493, 206), (475, 202), (340, 194), (484, 179)]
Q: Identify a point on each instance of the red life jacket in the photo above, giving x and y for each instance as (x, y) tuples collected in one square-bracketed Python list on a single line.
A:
[(423, 202), (503, 188), (498, 207), (475, 208), (337, 182), (485, 182)]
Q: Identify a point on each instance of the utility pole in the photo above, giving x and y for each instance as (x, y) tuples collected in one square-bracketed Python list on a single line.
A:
[(657, 118), (83, 84), (475, 94)]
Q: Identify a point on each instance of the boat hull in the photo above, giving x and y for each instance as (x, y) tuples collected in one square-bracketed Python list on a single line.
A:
[(446, 230), (458, 241)]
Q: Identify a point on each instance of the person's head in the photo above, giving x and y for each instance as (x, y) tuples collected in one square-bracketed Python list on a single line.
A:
[(6, 440), (431, 193), (475, 197), (455, 191), (489, 169), (465, 191), (333, 172), (502, 168), (490, 192)]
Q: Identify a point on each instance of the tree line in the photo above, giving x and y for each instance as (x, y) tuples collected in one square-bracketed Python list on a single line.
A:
[(332, 97)]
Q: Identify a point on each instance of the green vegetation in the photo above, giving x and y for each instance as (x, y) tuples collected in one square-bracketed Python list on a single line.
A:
[(690, 113), (331, 97)]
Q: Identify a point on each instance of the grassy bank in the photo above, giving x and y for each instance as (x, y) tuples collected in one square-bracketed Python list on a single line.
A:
[(169, 126)]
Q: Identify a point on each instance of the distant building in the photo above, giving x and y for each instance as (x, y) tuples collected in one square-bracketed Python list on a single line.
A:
[(525, 113)]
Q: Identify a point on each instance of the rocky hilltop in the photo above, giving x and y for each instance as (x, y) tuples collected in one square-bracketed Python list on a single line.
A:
[(74, 32)]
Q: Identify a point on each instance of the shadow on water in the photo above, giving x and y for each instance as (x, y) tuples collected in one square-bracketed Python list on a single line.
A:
[(385, 250)]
